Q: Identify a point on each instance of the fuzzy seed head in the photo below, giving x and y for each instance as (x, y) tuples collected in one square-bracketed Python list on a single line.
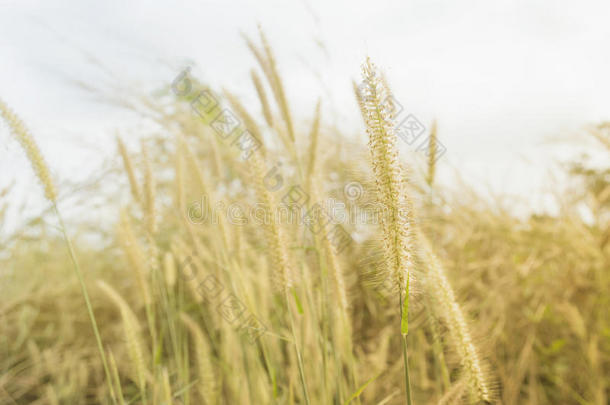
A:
[(397, 217), (449, 309), (131, 173), (274, 234), (29, 145), (133, 338)]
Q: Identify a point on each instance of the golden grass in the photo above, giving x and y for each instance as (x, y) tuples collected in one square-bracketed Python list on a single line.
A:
[(502, 309), (30, 147)]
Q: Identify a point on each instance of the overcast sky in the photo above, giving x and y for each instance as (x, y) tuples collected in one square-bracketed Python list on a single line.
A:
[(501, 77)]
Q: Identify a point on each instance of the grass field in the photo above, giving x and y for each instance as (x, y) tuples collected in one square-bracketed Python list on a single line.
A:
[(261, 256)]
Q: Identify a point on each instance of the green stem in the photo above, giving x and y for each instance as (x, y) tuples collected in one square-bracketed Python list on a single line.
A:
[(79, 274), (406, 363), (405, 359)]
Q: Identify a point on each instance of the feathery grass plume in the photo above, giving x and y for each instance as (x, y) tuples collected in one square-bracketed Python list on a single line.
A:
[(448, 308), (389, 101), (149, 193), (208, 387), (133, 338), (19, 130), (131, 173), (282, 274), (268, 64), (135, 256), (437, 346), (432, 150), (262, 96), (29, 145), (396, 216), (261, 59), (278, 86)]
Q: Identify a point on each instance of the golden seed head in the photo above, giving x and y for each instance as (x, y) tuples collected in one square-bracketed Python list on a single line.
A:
[(131, 328), (131, 173), (274, 233), (397, 216), (28, 143), (149, 193), (262, 96), (448, 308)]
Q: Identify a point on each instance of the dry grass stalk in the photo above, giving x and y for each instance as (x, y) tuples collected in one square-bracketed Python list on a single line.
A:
[(242, 112), (208, 387), (42, 172), (396, 216), (522, 275), (282, 273), (149, 193), (135, 257), (129, 169), (262, 96), (448, 308), (268, 64), (30, 147), (207, 191), (329, 252), (133, 337), (314, 136)]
